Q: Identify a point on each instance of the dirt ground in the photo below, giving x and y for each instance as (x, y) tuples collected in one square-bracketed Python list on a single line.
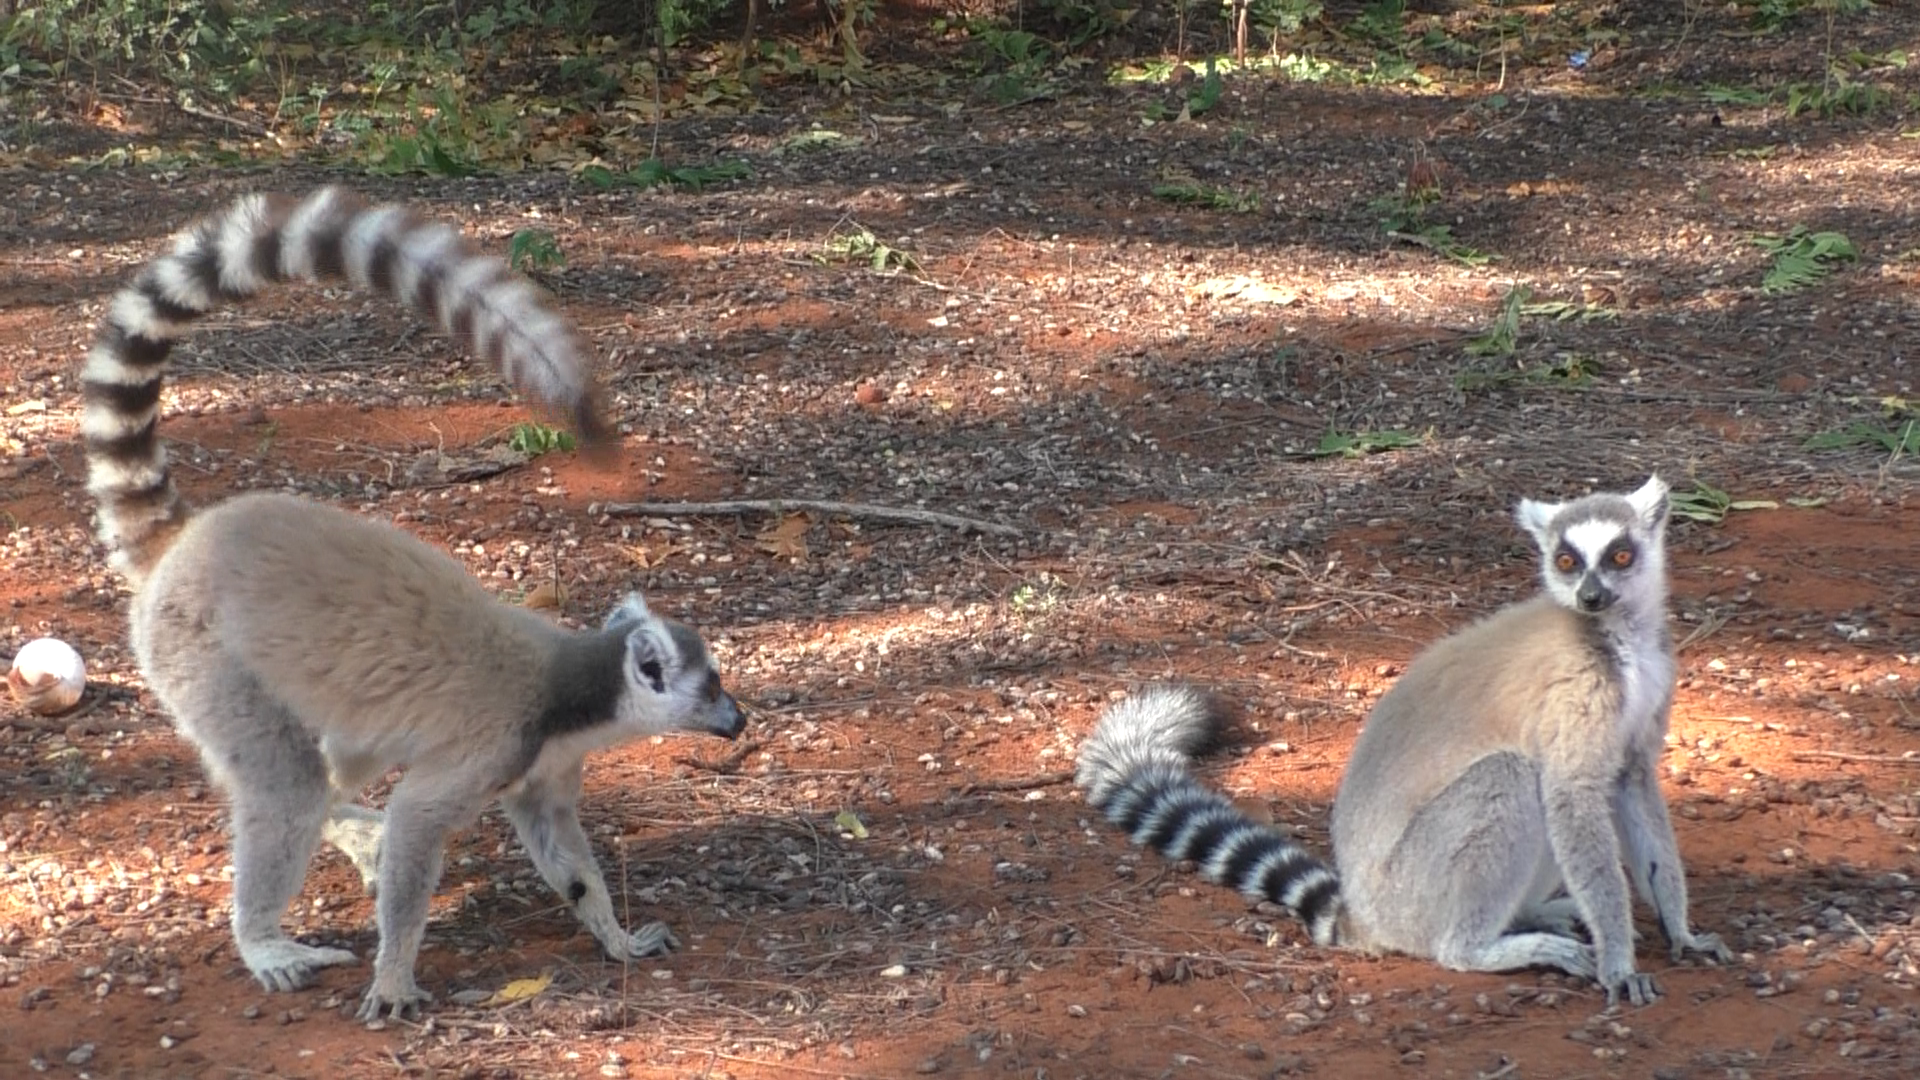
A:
[(891, 875)]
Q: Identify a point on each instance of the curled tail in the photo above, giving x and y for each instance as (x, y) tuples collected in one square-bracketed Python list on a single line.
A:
[(1134, 769), (260, 239)]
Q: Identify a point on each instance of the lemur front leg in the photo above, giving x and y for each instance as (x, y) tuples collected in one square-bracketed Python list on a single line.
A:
[(544, 811), (1580, 829), (1653, 858)]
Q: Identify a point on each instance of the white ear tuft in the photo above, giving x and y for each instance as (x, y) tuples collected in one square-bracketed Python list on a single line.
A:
[(631, 610), (1650, 502), (1535, 517)]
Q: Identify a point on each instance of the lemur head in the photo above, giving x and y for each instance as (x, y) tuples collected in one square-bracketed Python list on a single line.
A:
[(1604, 549), (671, 683)]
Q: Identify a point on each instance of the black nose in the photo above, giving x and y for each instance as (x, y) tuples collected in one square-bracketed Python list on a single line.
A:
[(730, 721), (1592, 596)]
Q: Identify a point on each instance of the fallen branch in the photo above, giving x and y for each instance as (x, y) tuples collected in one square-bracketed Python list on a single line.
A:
[(725, 766), (818, 506), (1018, 783), (1869, 759)]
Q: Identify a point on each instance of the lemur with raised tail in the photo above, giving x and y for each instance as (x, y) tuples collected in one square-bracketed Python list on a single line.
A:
[(1496, 792), (305, 650)]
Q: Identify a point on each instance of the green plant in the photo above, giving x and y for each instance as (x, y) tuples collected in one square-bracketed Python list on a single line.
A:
[(1361, 443), (1567, 310), (653, 172), (534, 249), (1281, 17), (1193, 193), (1571, 369), (680, 19), (1383, 22), (1086, 21), (1203, 99), (817, 139), (1503, 336), (1018, 64), (1802, 258), (1771, 15), (860, 245), (1298, 67), (1034, 601), (1719, 94), (1839, 94), (534, 439), (1403, 216), (202, 43), (1710, 505), (1901, 439)]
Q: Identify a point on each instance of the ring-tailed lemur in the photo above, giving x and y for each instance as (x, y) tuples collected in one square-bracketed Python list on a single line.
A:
[(1495, 790), (305, 650)]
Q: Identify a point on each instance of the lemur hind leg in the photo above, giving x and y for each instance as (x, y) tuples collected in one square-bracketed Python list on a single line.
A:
[(1481, 849)]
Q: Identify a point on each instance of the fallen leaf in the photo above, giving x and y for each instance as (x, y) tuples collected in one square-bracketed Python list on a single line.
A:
[(520, 990), (787, 540), (649, 557), (547, 594), (850, 822)]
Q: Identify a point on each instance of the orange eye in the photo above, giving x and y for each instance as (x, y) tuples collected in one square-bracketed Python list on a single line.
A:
[(1623, 558), (1565, 563)]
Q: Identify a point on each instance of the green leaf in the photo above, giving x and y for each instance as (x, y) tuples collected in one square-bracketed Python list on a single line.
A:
[(849, 822)]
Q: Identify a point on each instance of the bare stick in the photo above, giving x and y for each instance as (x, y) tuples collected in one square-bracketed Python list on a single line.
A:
[(818, 506), (1842, 755), (1018, 783), (726, 765)]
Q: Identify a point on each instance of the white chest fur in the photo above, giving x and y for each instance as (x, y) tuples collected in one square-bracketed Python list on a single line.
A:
[(1646, 672)]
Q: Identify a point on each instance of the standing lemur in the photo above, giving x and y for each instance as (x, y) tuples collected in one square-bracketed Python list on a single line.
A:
[(306, 650), (1495, 790)]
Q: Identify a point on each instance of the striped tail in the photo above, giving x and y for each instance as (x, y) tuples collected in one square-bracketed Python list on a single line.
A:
[(428, 267), (1134, 769)]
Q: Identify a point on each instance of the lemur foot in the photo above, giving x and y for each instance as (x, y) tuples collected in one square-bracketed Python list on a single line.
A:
[(282, 964)]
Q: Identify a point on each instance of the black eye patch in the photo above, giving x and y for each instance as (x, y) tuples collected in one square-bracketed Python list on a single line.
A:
[(1566, 560), (1619, 555)]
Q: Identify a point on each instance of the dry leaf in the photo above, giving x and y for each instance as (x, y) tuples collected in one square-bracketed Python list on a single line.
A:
[(850, 823), (787, 540), (547, 594), (646, 558), (520, 990), (1255, 810)]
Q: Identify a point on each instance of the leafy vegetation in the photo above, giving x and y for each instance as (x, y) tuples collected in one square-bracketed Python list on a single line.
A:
[(534, 249), (1802, 258), (534, 439), (859, 245), (1353, 444), (1710, 505), (653, 173), (1190, 192), (1503, 336), (1567, 370), (1901, 437)]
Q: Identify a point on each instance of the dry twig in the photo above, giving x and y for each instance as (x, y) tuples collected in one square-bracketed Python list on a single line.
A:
[(1867, 759), (1018, 783), (725, 765), (818, 506)]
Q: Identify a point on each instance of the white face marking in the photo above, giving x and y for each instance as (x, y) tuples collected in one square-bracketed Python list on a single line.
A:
[(1590, 539)]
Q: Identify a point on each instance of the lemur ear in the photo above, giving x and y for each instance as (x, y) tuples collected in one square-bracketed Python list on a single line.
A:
[(646, 659), (1535, 517), (631, 612), (1650, 502)]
